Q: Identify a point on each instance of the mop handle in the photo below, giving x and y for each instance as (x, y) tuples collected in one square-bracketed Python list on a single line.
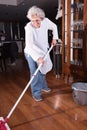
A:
[(13, 108)]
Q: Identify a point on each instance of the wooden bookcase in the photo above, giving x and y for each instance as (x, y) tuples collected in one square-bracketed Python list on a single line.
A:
[(74, 37)]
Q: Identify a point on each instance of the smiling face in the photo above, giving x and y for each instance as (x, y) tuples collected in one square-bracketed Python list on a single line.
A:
[(36, 21)]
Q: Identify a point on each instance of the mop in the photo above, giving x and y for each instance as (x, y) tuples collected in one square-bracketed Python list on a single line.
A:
[(3, 122)]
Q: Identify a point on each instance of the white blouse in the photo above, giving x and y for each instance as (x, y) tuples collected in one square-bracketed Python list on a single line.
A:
[(36, 39)]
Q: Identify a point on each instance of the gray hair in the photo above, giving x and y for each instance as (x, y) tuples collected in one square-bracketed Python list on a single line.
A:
[(34, 10)]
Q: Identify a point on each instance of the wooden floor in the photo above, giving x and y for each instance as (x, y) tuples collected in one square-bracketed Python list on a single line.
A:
[(57, 111)]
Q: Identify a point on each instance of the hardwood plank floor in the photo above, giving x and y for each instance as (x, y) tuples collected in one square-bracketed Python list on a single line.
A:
[(57, 111)]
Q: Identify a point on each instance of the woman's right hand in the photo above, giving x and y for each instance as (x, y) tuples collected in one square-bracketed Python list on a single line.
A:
[(41, 61)]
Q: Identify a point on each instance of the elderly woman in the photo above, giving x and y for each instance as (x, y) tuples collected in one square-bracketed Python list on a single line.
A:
[(36, 46)]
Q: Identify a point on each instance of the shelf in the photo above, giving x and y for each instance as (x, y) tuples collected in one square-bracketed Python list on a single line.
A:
[(76, 47), (77, 31)]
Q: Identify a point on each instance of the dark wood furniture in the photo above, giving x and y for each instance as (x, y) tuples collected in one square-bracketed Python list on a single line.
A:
[(10, 49), (2, 58), (74, 37)]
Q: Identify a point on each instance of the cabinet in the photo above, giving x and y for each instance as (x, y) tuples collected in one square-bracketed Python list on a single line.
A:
[(74, 37)]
